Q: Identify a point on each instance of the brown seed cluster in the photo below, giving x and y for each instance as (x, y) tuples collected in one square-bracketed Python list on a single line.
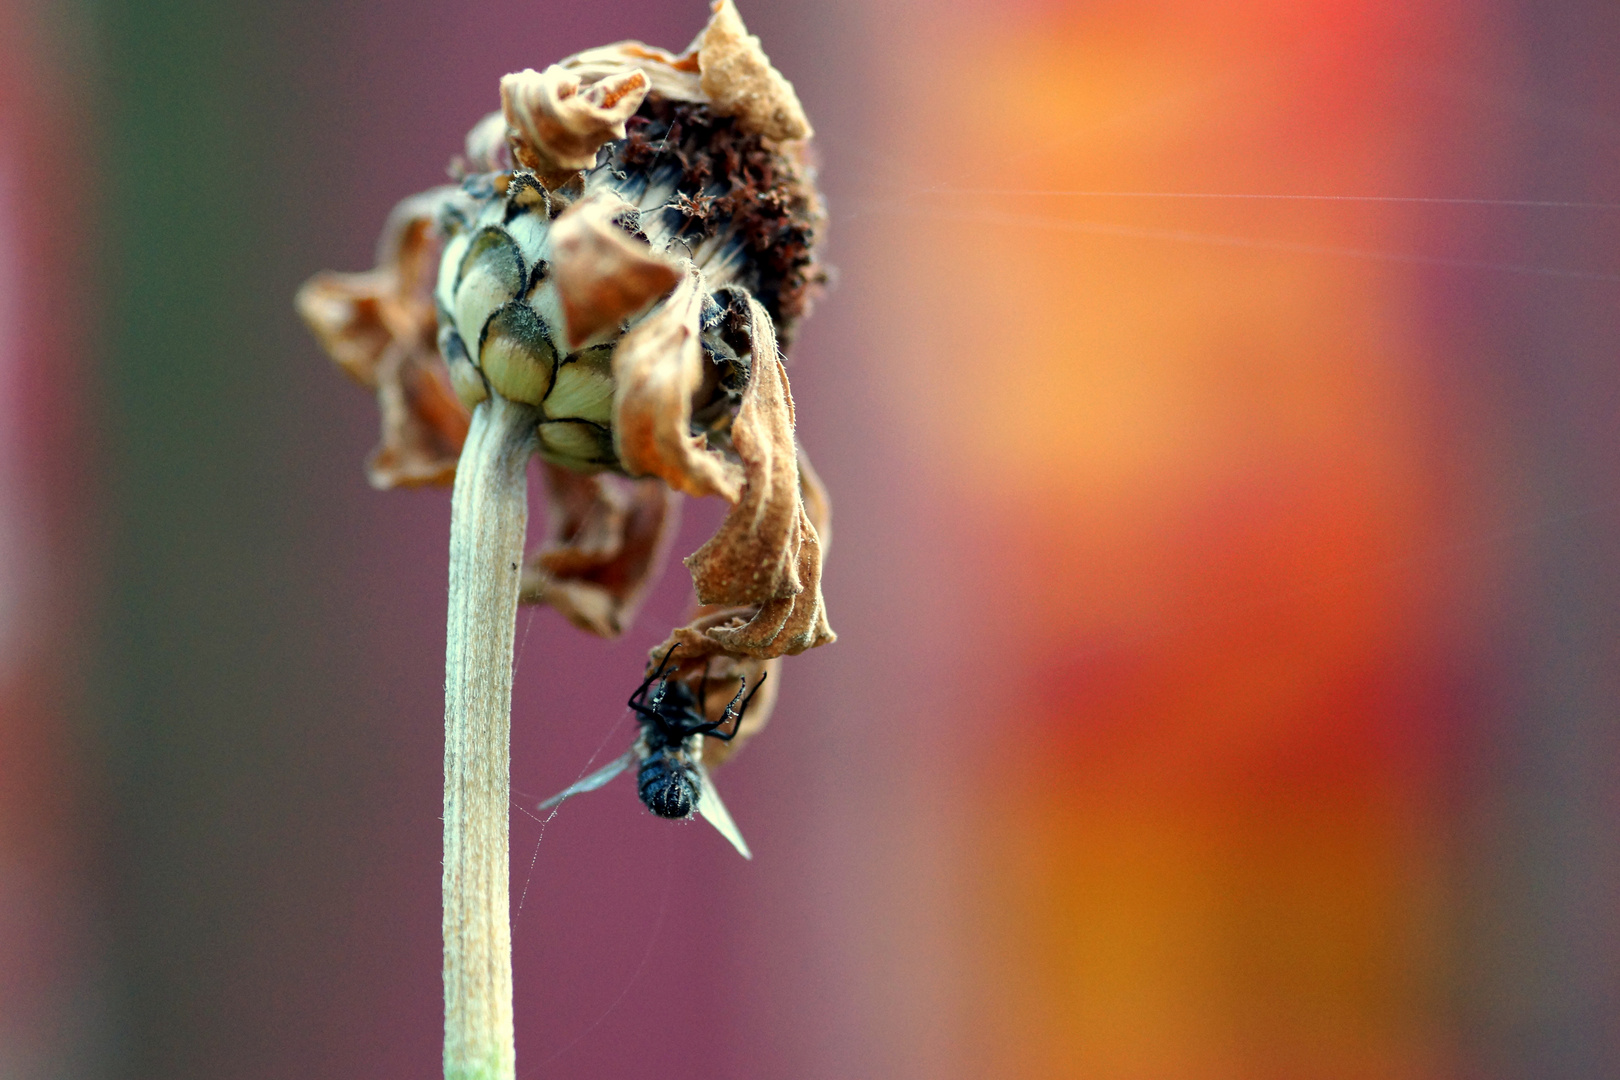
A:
[(733, 179)]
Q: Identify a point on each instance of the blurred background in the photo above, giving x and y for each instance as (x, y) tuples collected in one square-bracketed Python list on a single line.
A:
[(1219, 405)]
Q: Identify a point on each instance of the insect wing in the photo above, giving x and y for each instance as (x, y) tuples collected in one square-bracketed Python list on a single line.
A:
[(714, 812), (593, 781)]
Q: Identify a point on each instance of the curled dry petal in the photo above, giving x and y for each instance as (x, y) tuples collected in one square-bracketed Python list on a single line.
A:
[(356, 316), (753, 557), (676, 78), (380, 327), (423, 422), (601, 273), (657, 367), (558, 122), (789, 624), (344, 311), (606, 541), (701, 655), (739, 79), (767, 553), (725, 67), (487, 149)]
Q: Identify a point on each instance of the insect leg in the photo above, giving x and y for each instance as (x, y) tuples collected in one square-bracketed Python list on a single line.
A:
[(641, 691), (736, 715), (763, 675)]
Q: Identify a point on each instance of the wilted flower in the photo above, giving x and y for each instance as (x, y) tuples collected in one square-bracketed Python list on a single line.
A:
[(633, 234)]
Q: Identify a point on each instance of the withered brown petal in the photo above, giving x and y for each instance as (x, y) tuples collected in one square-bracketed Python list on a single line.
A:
[(344, 313), (606, 541), (674, 78), (487, 150), (753, 557), (657, 367), (411, 243), (791, 624), (558, 123), (410, 246), (739, 79), (600, 272), (767, 552), (423, 422), (700, 654), (381, 328)]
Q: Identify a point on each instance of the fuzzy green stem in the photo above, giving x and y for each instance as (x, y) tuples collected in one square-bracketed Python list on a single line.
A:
[(488, 515)]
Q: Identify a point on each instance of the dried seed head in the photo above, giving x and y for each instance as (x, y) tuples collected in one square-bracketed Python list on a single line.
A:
[(634, 234)]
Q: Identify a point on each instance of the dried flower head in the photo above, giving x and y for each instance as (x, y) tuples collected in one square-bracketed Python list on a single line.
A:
[(633, 234), (632, 240)]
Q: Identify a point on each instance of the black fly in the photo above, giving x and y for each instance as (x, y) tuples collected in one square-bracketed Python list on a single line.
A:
[(671, 779), (668, 780)]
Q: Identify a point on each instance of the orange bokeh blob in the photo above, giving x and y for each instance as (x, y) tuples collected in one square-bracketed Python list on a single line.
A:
[(1191, 443)]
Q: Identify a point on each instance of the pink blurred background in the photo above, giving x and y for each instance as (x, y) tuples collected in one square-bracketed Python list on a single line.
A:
[(1218, 403)]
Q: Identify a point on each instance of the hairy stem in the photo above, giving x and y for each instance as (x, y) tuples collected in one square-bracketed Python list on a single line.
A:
[(488, 514)]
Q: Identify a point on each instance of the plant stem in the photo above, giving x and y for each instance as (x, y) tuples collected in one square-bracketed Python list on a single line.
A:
[(488, 515)]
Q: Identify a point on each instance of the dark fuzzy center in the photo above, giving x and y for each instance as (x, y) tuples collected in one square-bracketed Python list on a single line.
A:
[(732, 179)]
